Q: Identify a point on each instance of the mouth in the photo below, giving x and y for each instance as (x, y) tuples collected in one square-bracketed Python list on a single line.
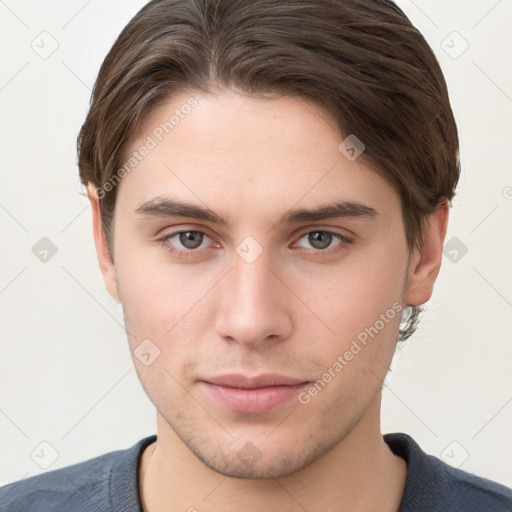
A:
[(252, 395)]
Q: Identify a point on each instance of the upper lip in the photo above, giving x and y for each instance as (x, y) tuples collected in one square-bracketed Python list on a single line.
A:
[(257, 381)]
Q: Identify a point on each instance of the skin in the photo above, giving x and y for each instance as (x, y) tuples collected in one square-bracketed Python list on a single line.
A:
[(291, 311)]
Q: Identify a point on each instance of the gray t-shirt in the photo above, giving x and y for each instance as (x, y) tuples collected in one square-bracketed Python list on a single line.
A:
[(109, 483)]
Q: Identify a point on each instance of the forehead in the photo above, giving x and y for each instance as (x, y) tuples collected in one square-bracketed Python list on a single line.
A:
[(237, 151)]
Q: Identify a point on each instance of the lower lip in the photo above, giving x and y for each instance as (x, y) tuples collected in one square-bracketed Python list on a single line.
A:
[(254, 401)]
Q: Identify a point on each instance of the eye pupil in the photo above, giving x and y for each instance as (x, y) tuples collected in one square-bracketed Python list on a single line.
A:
[(191, 239), (320, 239)]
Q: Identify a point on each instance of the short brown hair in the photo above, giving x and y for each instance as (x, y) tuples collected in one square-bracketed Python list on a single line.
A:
[(361, 60)]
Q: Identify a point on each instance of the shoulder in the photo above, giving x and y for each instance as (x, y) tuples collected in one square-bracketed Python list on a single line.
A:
[(433, 485), (72, 486), (82, 487)]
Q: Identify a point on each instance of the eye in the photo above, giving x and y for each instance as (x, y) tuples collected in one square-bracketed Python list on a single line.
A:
[(321, 241), (184, 242)]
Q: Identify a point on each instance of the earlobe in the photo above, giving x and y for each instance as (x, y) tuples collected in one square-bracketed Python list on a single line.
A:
[(426, 262), (105, 261)]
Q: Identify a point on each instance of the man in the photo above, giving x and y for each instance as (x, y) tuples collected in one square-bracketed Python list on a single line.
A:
[(270, 184)]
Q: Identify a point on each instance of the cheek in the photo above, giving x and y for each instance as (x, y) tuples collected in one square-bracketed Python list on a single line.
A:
[(351, 296), (153, 298), (158, 311), (362, 306), (356, 360)]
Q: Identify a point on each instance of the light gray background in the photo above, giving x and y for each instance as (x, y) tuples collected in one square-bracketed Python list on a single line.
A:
[(66, 375)]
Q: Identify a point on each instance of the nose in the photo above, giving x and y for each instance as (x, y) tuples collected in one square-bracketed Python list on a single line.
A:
[(255, 305)]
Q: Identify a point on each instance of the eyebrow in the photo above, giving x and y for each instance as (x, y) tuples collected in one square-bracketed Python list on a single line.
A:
[(170, 207)]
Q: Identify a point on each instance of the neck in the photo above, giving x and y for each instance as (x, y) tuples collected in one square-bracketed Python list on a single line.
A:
[(359, 474)]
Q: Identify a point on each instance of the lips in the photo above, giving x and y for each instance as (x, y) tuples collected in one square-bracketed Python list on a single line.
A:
[(253, 395), (260, 381)]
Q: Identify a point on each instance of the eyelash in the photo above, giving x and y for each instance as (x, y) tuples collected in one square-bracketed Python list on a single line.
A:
[(344, 241)]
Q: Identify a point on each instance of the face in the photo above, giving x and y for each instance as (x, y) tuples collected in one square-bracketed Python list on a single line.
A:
[(228, 262)]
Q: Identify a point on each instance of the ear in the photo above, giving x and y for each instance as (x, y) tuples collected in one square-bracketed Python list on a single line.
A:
[(104, 258), (426, 262)]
